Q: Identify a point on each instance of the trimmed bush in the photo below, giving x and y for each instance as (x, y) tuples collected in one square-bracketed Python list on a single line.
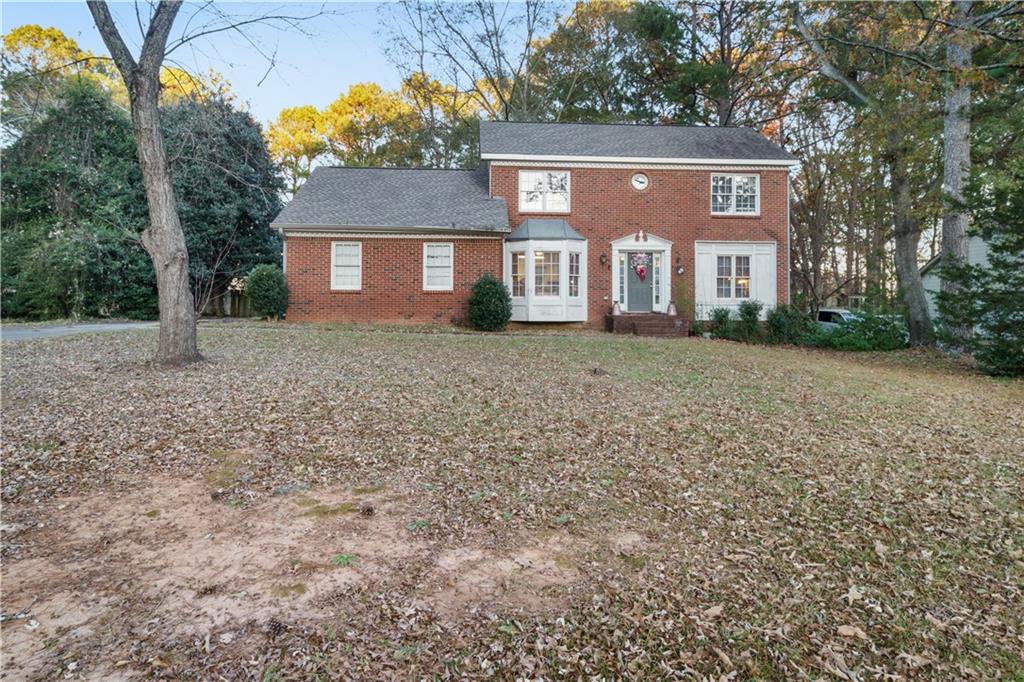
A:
[(720, 324), (788, 324), (748, 327), (490, 305), (267, 291)]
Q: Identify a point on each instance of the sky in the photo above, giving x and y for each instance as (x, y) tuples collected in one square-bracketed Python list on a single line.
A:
[(345, 48)]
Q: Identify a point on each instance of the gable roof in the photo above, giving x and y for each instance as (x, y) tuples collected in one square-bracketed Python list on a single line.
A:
[(621, 141), (546, 229), (387, 198)]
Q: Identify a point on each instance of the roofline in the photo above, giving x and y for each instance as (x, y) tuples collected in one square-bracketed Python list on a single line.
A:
[(398, 168), (653, 161), (385, 229), (931, 263)]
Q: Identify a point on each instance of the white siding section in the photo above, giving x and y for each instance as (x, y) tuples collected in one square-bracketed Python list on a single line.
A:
[(763, 275), (977, 254)]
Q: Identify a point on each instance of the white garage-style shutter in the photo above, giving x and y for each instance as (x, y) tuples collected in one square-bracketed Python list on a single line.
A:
[(704, 295), (763, 275), (762, 284)]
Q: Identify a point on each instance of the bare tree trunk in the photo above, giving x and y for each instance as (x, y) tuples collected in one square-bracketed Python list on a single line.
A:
[(907, 231), (163, 239), (957, 151)]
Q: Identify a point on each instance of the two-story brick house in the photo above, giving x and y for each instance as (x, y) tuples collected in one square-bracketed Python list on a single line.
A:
[(573, 217)]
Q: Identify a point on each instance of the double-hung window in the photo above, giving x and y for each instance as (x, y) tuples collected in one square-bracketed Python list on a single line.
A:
[(733, 279), (438, 266), (543, 191), (346, 266), (518, 272), (574, 273), (547, 273), (735, 194)]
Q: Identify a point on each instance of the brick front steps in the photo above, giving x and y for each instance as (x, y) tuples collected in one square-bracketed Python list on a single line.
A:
[(647, 324)]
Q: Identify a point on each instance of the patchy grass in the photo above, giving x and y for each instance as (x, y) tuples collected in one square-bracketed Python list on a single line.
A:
[(699, 509)]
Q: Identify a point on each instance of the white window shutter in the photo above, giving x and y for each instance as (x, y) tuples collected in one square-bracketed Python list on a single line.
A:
[(705, 279), (764, 279)]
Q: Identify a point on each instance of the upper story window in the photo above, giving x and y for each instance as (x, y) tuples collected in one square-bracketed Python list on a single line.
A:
[(438, 267), (543, 191), (735, 194), (346, 266)]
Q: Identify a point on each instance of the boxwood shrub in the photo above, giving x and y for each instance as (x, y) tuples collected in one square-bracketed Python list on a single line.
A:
[(267, 291), (490, 305)]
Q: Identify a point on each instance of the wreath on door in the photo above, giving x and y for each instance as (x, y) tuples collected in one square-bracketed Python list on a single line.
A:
[(640, 262)]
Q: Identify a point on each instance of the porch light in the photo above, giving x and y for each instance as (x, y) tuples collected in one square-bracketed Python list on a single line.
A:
[(604, 259), (679, 265)]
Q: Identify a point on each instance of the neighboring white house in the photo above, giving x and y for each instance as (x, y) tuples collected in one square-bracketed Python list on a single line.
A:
[(977, 254)]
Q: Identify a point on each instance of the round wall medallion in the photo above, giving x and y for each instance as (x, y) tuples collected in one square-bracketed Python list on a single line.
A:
[(640, 181)]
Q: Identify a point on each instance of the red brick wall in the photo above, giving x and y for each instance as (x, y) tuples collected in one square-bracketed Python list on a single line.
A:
[(675, 206), (392, 280)]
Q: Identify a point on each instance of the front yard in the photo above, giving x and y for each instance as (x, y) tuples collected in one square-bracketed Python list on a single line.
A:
[(367, 503)]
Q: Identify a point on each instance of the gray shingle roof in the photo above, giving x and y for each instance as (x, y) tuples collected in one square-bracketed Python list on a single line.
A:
[(545, 229), (627, 140), (395, 197)]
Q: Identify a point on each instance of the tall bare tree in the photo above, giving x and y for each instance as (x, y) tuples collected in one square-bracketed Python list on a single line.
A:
[(163, 238)]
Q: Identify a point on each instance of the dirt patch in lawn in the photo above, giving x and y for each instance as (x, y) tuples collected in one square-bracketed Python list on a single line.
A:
[(533, 578), (203, 568)]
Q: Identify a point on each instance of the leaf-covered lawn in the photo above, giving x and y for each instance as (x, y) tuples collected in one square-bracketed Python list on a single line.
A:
[(538, 506)]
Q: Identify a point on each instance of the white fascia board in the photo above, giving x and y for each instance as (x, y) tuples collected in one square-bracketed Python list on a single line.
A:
[(656, 161), (383, 229)]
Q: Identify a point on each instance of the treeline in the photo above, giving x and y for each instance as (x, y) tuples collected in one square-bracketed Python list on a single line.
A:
[(73, 200)]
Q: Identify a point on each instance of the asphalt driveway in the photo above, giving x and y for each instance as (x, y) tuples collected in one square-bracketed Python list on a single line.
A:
[(45, 331)]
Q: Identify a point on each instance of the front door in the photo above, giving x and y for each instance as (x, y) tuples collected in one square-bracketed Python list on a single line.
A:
[(639, 282)]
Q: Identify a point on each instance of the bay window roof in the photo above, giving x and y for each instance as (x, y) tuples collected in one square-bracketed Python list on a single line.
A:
[(544, 229)]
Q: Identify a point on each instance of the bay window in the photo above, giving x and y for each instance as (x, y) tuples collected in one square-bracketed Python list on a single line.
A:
[(574, 274), (547, 278), (518, 274)]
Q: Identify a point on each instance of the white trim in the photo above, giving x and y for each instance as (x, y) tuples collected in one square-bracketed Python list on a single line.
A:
[(545, 210), (654, 161), (652, 245), (640, 166), (756, 213), (789, 251), (451, 266), (334, 254), (389, 235), (284, 256), (415, 230)]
